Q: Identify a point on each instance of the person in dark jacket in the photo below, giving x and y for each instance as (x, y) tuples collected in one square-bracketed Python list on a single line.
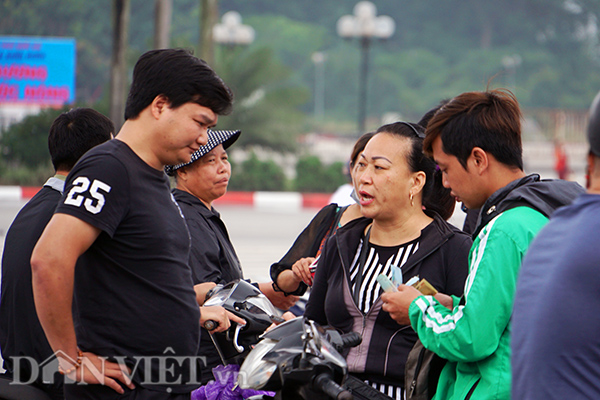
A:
[(402, 232), (71, 135), (212, 256)]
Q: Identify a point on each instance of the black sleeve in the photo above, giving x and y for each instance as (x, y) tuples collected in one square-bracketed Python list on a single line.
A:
[(97, 191), (307, 243)]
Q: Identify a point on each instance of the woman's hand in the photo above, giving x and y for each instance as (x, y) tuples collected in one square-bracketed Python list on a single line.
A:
[(289, 280), (301, 269)]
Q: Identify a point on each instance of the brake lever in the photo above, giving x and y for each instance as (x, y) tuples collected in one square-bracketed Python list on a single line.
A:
[(238, 328)]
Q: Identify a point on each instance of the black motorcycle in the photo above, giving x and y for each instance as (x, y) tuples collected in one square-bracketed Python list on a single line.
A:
[(300, 359)]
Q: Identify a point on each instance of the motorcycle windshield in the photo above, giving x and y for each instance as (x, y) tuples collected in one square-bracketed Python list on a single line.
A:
[(244, 293)]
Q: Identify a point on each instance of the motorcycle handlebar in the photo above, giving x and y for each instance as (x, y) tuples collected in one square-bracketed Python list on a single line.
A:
[(351, 339), (210, 325), (328, 386)]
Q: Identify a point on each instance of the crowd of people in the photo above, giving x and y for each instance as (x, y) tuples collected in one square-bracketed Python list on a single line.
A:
[(106, 270)]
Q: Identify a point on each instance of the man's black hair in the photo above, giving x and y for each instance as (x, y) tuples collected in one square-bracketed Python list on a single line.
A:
[(73, 133), (490, 120), (181, 78), (593, 131)]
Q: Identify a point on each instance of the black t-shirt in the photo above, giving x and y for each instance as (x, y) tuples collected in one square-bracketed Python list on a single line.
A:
[(20, 331), (133, 295)]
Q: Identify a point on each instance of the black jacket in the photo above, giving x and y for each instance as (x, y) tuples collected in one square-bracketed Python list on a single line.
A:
[(212, 256), (212, 259), (442, 259)]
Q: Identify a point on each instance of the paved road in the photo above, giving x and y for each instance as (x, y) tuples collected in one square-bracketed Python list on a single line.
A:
[(260, 237)]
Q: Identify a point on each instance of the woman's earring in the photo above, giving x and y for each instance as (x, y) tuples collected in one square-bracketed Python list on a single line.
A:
[(411, 199)]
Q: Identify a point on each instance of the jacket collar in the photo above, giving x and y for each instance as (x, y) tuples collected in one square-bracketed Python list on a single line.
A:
[(492, 203), (542, 195), (56, 182), (187, 198)]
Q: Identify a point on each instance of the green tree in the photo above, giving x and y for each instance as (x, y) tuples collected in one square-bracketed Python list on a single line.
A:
[(312, 176), (26, 144), (254, 174), (267, 105)]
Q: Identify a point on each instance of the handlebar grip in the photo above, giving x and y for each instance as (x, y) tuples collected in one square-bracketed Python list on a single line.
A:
[(351, 339), (328, 386), (210, 325)]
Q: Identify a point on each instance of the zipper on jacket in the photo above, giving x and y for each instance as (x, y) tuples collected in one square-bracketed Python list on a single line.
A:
[(360, 347), (364, 316)]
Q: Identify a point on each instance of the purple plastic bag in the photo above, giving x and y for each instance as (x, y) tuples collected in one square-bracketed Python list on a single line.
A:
[(224, 387)]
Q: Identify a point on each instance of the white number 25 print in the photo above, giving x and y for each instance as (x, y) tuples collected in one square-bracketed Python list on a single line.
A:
[(80, 186)]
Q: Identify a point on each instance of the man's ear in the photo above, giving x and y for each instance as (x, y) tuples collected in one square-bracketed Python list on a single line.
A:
[(589, 169), (479, 159), (158, 105), (591, 162)]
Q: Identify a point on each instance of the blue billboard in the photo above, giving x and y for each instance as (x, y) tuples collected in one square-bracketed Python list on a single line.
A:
[(36, 70)]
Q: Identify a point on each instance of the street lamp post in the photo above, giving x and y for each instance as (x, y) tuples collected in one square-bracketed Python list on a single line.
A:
[(231, 31), (511, 63), (318, 58), (365, 25)]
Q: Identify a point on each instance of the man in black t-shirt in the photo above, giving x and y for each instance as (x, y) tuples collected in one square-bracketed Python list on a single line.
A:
[(134, 306), (71, 135)]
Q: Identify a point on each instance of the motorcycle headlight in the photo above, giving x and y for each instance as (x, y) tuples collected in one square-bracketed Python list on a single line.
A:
[(255, 371)]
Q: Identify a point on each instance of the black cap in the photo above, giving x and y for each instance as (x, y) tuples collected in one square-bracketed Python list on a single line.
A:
[(593, 132), (215, 138)]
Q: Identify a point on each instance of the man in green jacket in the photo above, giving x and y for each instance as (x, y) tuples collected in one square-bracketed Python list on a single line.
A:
[(476, 141)]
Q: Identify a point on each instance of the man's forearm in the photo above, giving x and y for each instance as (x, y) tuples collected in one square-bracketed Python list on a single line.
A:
[(53, 270), (53, 293)]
